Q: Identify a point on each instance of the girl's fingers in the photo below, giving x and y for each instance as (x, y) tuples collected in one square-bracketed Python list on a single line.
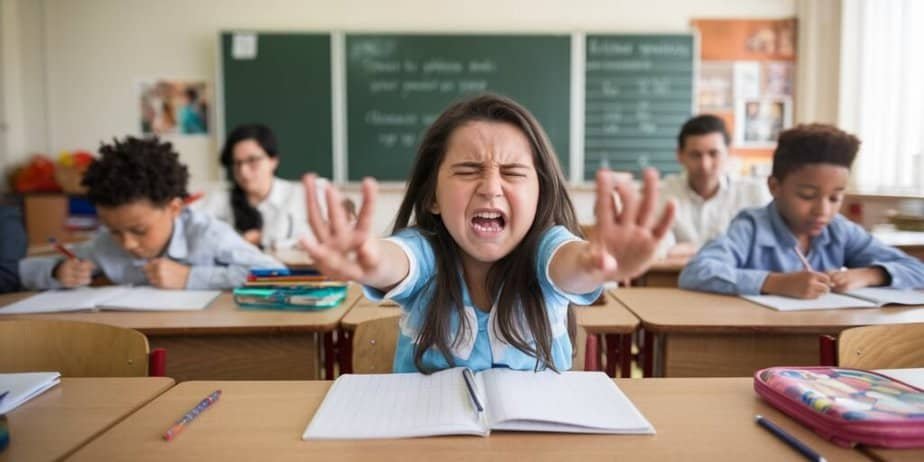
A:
[(336, 216), (665, 221), (649, 197), (630, 203), (318, 224), (364, 220), (605, 204)]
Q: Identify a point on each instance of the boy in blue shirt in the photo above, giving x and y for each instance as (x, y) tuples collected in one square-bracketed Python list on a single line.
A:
[(150, 237), (798, 245)]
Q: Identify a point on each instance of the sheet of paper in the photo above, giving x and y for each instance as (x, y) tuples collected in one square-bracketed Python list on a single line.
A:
[(395, 406), (151, 299), (21, 387), (884, 295), (825, 302), (53, 301)]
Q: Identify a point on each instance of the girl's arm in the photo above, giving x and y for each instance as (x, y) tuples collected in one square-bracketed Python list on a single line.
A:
[(347, 252), (624, 239)]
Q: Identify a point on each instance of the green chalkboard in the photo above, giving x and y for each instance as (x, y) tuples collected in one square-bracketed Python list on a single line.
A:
[(286, 84), (397, 84), (638, 92)]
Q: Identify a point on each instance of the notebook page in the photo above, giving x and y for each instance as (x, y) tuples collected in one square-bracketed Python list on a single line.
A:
[(24, 386), (153, 299), (53, 301), (395, 406), (572, 402), (885, 295), (825, 302)]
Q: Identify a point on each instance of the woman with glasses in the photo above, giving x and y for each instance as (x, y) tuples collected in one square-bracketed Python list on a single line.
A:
[(268, 211)]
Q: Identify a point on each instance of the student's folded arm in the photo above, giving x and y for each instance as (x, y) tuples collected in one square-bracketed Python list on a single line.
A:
[(864, 251), (717, 267)]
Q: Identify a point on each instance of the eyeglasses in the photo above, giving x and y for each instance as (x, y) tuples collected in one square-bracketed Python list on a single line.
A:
[(249, 162)]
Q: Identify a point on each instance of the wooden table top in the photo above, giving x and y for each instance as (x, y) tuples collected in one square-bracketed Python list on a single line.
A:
[(695, 419), (223, 316), (609, 318), (64, 418), (677, 310), (367, 310)]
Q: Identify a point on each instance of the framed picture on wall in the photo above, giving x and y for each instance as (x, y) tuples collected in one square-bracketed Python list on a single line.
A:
[(174, 107), (759, 121)]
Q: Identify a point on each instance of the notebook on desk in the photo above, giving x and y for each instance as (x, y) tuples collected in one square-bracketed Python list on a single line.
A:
[(414, 405), (112, 298), (16, 389), (867, 297)]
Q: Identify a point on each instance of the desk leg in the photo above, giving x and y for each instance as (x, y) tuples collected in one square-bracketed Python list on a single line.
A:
[(346, 352), (625, 358), (647, 339), (330, 355), (612, 353)]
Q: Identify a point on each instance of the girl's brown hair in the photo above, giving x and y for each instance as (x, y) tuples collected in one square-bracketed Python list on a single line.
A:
[(512, 280)]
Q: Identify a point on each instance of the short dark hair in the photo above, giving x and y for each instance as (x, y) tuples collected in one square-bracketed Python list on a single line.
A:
[(813, 144), (135, 169), (703, 125)]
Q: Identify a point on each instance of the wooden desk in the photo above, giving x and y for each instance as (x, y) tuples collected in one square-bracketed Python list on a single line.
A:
[(612, 325), (611, 322), (225, 341), (66, 417), (910, 242), (664, 273), (695, 419), (702, 334)]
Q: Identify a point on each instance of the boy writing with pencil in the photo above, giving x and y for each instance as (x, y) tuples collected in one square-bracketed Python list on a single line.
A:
[(150, 237), (798, 245)]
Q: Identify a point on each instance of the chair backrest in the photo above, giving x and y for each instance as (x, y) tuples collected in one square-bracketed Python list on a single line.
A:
[(882, 347), (374, 345), (75, 349)]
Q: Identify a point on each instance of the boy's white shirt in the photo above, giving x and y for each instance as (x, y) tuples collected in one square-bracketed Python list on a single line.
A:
[(698, 220)]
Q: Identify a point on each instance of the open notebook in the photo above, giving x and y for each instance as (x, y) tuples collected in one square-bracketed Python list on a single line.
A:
[(412, 405), (868, 297), (112, 298), (18, 388)]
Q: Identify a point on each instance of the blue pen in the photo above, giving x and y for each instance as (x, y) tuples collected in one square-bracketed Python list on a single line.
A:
[(470, 384), (794, 443)]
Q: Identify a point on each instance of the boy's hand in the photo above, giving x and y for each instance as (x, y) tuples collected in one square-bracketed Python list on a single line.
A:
[(626, 235), (802, 284), (847, 280), (74, 273), (165, 273), (342, 250)]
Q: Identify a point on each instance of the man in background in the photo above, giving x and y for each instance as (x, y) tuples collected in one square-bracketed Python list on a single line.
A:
[(707, 195)]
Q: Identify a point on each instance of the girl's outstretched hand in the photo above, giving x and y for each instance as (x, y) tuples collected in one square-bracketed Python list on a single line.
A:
[(342, 251), (626, 235)]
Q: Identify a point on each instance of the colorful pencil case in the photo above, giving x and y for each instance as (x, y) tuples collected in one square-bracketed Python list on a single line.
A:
[(289, 299), (847, 406)]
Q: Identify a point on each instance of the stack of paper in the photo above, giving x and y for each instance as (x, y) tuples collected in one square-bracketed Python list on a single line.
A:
[(16, 389)]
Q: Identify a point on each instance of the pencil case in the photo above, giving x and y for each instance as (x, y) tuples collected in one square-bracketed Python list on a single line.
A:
[(847, 406), (289, 299)]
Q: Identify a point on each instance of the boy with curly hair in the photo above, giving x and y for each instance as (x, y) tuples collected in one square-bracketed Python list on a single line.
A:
[(150, 237), (799, 245)]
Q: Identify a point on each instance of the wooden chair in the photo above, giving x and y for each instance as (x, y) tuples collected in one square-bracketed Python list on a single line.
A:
[(374, 345), (890, 346), (76, 349)]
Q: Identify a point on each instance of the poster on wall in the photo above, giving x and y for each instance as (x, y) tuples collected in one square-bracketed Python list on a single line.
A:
[(174, 107), (759, 121)]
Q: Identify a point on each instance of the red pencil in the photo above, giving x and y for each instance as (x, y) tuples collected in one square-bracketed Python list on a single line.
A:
[(60, 248)]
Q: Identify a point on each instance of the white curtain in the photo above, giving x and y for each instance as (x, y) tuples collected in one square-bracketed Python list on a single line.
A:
[(882, 91)]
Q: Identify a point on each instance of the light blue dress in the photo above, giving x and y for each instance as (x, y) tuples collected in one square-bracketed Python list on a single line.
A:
[(484, 349)]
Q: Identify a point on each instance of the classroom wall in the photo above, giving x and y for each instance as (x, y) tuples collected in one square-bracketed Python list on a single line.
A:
[(80, 60)]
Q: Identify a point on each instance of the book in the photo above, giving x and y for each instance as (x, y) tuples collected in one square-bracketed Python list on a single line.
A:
[(18, 388), (414, 405), (296, 297), (867, 297), (112, 298)]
